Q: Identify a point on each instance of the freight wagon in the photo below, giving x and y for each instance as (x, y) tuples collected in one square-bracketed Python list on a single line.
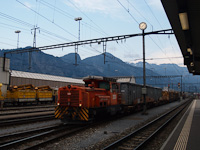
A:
[(101, 96), (132, 95)]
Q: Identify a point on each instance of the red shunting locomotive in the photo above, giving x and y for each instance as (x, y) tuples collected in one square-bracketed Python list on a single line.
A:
[(99, 97)]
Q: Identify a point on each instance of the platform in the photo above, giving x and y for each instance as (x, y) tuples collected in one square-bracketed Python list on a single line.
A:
[(186, 135)]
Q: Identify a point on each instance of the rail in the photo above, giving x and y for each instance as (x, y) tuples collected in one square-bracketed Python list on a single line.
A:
[(143, 135)]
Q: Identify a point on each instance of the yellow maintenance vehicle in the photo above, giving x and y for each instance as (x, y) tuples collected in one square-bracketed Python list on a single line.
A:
[(44, 94), (21, 94), (1, 96), (27, 94)]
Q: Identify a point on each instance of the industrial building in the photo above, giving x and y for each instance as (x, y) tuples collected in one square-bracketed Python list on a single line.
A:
[(12, 77)]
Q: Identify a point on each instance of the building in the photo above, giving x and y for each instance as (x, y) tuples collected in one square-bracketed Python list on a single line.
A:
[(37, 79)]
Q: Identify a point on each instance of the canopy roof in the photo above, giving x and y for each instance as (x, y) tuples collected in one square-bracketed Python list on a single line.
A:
[(188, 39)]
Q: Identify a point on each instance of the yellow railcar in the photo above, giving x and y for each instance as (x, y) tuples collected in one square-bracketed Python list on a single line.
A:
[(1, 96), (21, 94), (44, 94)]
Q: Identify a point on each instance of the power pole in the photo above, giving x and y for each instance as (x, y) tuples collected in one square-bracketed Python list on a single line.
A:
[(76, 46), (34, 44)]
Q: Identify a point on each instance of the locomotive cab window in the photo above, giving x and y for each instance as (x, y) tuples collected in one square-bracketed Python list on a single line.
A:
[(87, 83), (104, 85)]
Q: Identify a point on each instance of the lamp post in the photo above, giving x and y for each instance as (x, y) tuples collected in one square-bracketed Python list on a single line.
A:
[(78, 19), (143, 26), (18, 31)]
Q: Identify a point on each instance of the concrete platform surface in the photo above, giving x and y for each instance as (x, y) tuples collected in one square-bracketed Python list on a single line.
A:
[(186, 135)]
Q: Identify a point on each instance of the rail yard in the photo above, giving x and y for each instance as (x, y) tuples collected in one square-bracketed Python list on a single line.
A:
[(37, 125), (44, 135), (71, 99), (96, 113)]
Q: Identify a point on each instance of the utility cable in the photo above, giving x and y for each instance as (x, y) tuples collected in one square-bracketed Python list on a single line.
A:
[(139, 12), (47, 19), (88, 17), (66, 14), (153, 14), (128, 12), (164, 54)]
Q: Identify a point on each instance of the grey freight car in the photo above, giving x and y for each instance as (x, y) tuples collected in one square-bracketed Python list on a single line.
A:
[(132, 94)]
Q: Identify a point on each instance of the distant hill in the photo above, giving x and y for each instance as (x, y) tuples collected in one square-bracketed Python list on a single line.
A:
[(64, 66), (164, 69)]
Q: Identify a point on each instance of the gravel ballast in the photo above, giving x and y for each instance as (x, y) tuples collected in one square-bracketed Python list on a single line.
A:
[(94, 138)]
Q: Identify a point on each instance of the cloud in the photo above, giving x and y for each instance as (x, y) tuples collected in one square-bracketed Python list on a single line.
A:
[(131, 56), (167, 55), (28, 4), (104, 6)]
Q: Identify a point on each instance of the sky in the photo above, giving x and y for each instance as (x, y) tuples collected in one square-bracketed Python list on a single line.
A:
[(54, 20)]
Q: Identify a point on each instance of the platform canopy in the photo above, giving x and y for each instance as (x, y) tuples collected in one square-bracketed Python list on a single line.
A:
[(184, 17)]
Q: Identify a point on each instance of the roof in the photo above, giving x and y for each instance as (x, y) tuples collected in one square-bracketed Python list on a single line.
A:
[(188, 38), (110, 79), (30, 75), (125, 79)]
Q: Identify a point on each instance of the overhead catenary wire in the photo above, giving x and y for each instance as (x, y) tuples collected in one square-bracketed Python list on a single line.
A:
[(156, 20), (32, 25), (28, 25), (70, 16), (159, 58), (139, 12), (158, 38), (128, 12), (153, 13), (48, 32), (88, 18), (47, 19), (16, 20), (67, 14), (12, 27), (59, 10), (63, 39), (165, 54)]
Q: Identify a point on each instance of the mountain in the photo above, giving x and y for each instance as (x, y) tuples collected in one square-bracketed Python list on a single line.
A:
[(164, 69), (64, 66), (171, 75), (70, 58)]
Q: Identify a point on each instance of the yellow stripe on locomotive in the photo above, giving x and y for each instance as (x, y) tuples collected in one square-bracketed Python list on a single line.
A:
[(73, 113)]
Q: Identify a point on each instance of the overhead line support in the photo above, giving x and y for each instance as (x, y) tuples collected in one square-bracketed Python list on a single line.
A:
[(84, 42), (76, 51), (104, 51)]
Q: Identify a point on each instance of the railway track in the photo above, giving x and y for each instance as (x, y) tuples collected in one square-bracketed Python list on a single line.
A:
[(13, 117), (37, 138), (25, 112), (26, 107), (140, 137), (26, 120)]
